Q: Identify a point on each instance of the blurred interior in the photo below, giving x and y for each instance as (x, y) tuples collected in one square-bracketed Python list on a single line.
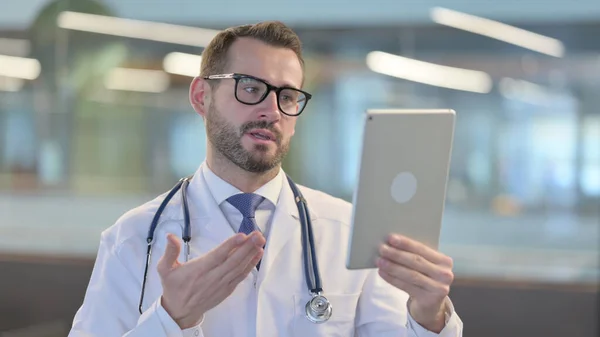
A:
[(95, 120)]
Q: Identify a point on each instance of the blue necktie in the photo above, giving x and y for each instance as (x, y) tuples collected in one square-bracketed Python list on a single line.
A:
[(247, 203)]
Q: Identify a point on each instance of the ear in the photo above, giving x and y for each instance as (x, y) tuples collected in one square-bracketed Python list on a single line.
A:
[(199, 93), (293, 128)]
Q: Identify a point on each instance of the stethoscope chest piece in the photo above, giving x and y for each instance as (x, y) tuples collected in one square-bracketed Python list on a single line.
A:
[(318, 309)]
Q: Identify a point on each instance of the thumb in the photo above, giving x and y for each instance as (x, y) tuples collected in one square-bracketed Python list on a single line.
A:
[(172, 251)]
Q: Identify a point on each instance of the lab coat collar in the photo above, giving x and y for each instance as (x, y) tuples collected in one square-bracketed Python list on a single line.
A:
[(221, 190), (209, 222)]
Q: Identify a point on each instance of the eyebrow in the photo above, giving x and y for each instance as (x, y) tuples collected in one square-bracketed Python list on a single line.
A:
[(288, 85), (285, 84)]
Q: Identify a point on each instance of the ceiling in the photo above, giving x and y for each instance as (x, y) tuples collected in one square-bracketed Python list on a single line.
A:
[(18, 14)]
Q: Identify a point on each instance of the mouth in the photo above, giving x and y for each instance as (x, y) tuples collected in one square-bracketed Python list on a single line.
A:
[(262, 134)]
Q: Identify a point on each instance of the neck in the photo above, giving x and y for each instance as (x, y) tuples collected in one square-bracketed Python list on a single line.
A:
[(245, 181)]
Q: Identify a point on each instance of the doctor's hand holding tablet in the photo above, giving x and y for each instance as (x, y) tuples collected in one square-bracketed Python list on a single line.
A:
[(425, 274)]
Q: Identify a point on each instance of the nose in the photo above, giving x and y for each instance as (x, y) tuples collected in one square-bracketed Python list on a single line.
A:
[(269, 109)]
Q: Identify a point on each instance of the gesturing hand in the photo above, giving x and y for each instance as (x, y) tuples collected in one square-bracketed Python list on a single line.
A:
[(191, 289), (425, 274)]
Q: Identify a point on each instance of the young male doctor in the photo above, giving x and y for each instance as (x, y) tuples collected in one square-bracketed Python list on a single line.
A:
[(245, 276)]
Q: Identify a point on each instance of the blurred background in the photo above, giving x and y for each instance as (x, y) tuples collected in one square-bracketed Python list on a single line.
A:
[(95, 120)]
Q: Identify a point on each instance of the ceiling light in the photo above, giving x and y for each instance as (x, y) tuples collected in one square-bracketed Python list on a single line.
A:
[(141, 80), (429, 73), (182, 64), (498, 31), (146, 30), (19, 67)]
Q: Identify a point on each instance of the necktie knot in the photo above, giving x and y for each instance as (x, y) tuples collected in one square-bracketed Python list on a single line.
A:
[(246, 203)]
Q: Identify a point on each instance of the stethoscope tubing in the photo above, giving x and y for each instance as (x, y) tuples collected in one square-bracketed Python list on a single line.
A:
[(311, 268)]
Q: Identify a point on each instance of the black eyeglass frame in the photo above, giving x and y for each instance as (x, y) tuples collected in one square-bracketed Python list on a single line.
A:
[(237, 77)]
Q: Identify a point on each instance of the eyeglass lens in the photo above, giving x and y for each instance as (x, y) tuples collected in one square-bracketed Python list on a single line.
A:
[(252, 91)]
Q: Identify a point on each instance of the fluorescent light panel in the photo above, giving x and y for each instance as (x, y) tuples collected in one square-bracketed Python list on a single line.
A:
[(429, 73), (146, 30), (19, 67), (498, 31), (182, 64), (141, 80)]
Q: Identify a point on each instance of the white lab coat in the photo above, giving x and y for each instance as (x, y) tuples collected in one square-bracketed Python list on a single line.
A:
[(269, 302)]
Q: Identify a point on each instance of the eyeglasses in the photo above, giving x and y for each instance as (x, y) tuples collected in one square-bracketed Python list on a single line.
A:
[(251, 90)]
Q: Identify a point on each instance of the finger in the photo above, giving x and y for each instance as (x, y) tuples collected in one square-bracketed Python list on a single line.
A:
[(169, 259), (407, 244), (243, 254), (416, 262), (237, 262), (411, 289), (258, 239), (236, 280), (230, 286), (413, 277), (221, 253)]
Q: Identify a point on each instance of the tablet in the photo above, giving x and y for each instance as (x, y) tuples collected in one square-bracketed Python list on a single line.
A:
[(402, 178)]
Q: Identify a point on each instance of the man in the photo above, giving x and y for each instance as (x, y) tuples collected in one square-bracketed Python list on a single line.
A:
[(246, 276)]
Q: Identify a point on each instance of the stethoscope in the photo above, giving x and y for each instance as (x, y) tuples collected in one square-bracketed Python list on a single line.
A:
[(317, 309)]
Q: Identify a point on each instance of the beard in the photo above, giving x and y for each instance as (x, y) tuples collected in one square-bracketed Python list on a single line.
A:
[(227, 140)]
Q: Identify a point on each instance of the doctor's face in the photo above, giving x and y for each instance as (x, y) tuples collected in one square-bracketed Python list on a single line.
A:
[(255, 137)]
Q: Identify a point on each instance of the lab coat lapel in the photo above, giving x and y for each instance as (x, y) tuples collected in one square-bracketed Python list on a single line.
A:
[(285, 226), (211, 226)]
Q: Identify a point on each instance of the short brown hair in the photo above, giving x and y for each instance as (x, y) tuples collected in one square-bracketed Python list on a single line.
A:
[(274, 33)]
